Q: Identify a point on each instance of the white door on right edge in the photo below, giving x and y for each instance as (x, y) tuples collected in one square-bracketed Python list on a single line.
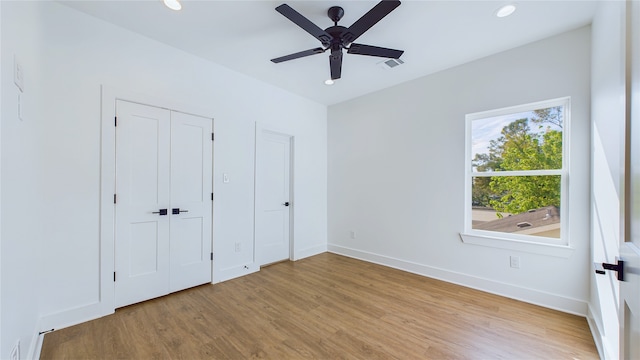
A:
[(273, 203), (629, 311)]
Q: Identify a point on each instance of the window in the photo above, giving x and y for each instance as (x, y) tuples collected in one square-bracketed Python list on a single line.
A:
[(516, 173)]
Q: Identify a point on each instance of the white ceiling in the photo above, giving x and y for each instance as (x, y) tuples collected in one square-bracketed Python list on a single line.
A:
[(435, 35)]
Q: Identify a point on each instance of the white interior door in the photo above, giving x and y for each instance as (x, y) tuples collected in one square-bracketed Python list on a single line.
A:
[(163, 209), (191, 206), (273, 202), (629, 310), (142, 183)]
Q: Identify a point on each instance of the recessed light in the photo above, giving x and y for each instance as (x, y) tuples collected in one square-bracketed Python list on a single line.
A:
[(173, 4), (329, 82), (506, 11)]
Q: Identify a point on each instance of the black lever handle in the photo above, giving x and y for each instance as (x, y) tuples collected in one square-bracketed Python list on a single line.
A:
[(286, 203), (161, 212), (176, 211), (619, 268)]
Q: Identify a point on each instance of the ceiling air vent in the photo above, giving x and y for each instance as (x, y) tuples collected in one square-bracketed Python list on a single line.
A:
[(391, 63)]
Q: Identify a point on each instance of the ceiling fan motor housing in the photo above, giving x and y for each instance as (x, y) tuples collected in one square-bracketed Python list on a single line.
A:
[(336, 31)]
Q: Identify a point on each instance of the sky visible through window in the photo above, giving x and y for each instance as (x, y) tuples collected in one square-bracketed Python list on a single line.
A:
[(487, 129)]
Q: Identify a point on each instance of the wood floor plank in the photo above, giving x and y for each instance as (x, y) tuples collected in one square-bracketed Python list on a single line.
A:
[(327, 307)]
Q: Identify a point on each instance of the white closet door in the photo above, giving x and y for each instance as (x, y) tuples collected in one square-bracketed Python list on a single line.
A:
[(272, 221), (191, 205), (142, 185), (163, 209)]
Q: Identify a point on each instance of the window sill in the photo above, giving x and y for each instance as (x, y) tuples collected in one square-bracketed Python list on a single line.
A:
[(563, 251)]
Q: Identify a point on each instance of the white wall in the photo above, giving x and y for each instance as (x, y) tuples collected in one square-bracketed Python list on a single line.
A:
[(51, 159), (396, 172), (1, 77), (21, 162), (608, 127)]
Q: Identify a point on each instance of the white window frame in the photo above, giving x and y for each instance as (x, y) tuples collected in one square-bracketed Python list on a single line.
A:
[(529, 243)]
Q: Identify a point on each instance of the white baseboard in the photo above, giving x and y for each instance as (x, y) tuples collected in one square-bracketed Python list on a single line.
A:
[(235, 272), (74, 316), (552, 301), (595, 332), (305, 253), (594, 324), (36, 348), (242, 270), (63, 319), (36, 344)]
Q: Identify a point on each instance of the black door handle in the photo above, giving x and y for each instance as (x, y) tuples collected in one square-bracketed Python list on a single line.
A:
[(176, 211), (619, 268), (160, 212), (286, 204)]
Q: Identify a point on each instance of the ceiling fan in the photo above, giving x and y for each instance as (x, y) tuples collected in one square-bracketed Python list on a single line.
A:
[(336, 38)]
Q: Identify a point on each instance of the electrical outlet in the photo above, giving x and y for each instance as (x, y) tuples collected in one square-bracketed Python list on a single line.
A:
[(238, 247), (20, 115), (352, 234), (515, 262), (15, 352)]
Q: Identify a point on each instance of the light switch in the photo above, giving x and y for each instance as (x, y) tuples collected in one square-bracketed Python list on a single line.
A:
[(225, 178), (18, 74)]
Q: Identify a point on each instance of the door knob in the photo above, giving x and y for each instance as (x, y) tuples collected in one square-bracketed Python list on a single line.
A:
[(160, 212), (619, 268), (176, 211), (286, 204)]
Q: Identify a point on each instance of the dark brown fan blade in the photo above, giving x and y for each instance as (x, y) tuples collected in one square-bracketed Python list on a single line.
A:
[(369, 50), (298, 55), (305, 24), (335, 62), (368, 20)]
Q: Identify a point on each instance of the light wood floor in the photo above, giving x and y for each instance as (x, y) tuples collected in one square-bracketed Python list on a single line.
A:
[(327, 307)]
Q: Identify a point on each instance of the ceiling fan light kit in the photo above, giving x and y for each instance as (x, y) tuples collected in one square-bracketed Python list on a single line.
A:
[(336, 38), (173, 4), (506, 10)]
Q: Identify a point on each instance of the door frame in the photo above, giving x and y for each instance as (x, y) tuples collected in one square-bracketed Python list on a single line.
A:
[(629, 250), (260, 127), (108, 96)]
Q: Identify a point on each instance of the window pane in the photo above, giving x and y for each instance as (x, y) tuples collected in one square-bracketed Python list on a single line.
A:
[(530, 140), (528, 205)]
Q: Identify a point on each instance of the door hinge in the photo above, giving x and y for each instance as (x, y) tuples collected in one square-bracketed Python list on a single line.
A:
[(114, 198), (211, 256), (115, 121), (211, 196), (212, 136), (114, 276)]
